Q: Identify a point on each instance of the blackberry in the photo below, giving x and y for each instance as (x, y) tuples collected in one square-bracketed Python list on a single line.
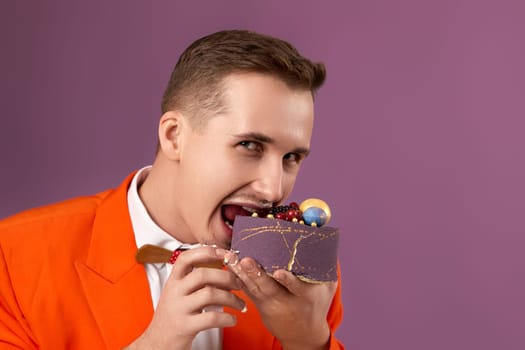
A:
[(280, 209)]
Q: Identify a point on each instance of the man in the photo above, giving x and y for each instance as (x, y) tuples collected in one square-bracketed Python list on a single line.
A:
[(237, 122)]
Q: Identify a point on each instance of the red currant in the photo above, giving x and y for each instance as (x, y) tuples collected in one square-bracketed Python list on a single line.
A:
[(280, 216), (290, 214)]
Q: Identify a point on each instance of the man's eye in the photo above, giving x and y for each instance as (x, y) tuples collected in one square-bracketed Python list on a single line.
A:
[(293, 158), (251, 146)]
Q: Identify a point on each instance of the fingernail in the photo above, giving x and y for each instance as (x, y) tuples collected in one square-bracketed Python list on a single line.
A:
[(248, 265), (230, 259), (280, 277)]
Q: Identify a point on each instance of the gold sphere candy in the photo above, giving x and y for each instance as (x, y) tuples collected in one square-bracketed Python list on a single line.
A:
[(318, 203)]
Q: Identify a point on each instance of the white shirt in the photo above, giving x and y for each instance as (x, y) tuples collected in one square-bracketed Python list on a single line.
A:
[(148, 232)]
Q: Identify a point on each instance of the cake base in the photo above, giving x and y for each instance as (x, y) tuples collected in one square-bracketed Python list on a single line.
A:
[(308, 252)]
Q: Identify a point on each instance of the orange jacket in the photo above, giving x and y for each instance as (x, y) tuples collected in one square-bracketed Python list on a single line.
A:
[(69, 280)]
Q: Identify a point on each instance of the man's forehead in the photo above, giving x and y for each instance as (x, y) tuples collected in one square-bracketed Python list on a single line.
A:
[(266, 109), (251, 77), (263, 91)]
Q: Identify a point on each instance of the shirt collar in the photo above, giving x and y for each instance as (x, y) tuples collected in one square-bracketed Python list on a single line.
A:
[(145, 229)]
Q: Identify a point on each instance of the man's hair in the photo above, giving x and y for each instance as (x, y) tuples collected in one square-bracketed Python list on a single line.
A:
[(195, 86)]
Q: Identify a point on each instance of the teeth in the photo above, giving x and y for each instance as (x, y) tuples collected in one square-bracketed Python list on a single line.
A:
[(251, 210), (228, 224)]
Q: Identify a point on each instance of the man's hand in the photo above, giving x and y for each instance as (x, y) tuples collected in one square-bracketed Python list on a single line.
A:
[(179, 315), (293, 311)]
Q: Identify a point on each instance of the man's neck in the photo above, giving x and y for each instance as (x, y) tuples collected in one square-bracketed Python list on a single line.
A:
[(164, 213)]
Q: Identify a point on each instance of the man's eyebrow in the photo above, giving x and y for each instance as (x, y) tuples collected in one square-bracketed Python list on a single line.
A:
[(267, 139), (257, 136), (301, 150)]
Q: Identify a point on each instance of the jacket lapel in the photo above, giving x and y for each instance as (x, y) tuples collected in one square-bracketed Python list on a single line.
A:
[(116, 287)]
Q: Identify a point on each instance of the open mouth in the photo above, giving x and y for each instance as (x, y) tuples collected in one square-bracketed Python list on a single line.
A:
[(230, 211)]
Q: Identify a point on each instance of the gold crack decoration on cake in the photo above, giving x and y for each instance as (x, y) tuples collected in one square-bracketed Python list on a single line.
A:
[(308, 251), (294, 253)]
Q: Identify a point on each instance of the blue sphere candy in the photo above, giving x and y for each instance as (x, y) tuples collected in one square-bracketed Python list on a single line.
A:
[(314, 214)]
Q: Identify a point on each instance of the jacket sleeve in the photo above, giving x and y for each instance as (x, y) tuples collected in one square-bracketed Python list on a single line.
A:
[(14, 330), (335, 315)]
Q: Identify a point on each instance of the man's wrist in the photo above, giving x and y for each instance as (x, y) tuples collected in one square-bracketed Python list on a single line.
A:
[(324, 344), (141, 343), (138, 344)]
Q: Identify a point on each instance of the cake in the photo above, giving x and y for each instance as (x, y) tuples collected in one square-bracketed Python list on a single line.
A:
[(292, 238)]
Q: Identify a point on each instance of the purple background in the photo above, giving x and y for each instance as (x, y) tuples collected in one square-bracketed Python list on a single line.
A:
[(419, 142)]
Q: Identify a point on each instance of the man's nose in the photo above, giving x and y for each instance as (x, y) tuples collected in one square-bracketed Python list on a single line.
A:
[(269, 185)]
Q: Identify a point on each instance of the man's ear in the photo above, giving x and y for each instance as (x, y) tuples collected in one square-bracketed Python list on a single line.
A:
[(171, 127)]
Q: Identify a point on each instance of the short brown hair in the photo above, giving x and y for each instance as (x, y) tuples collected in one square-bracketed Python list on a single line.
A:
[(195, 84)]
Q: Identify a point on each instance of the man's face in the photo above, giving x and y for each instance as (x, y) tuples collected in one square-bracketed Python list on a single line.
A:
[(243, 159)]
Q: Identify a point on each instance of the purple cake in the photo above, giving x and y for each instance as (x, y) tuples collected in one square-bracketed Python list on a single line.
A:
[(309, 252)]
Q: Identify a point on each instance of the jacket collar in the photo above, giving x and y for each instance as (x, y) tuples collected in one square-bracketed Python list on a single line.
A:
[(115, 285)]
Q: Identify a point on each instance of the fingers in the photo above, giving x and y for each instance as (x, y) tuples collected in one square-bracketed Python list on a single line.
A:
[(300, 288), (203, 286), (189, 259), (209, 296), (193, 297), (212, 319), (257, 283), (201, 277), (289, 281)]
